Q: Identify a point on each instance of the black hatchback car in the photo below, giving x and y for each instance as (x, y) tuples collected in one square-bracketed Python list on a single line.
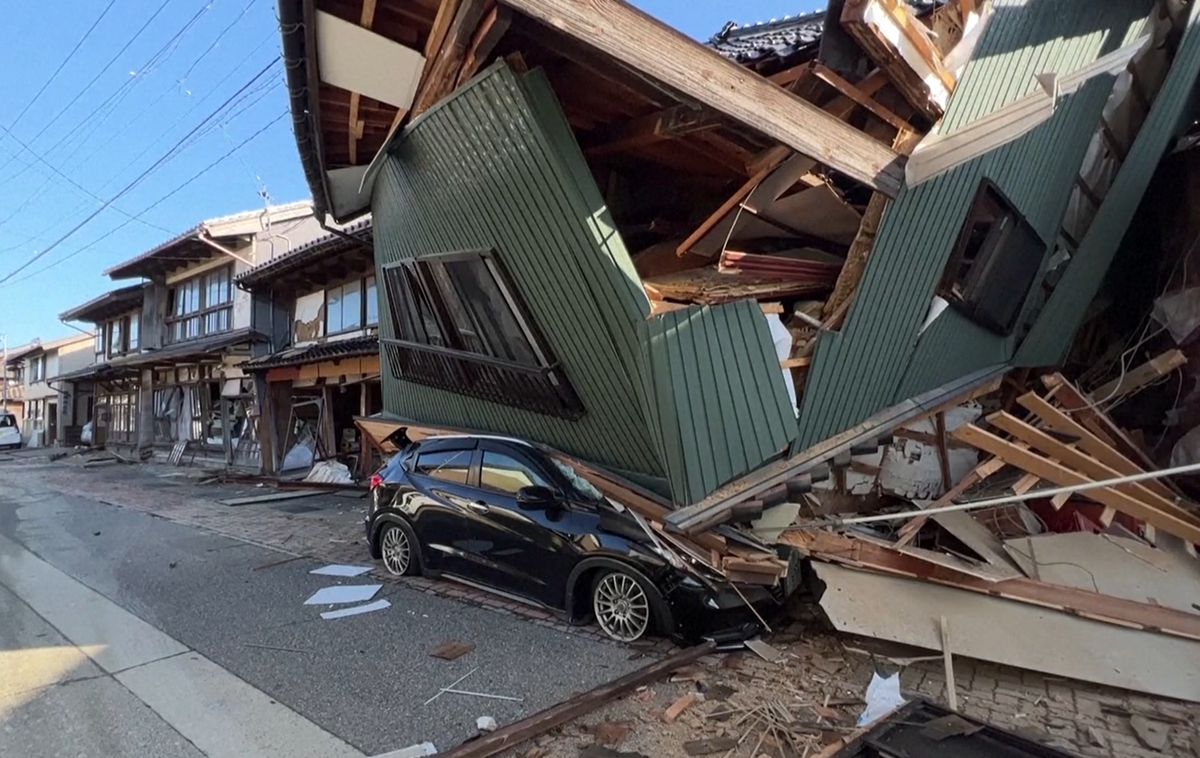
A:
[(503, 515)]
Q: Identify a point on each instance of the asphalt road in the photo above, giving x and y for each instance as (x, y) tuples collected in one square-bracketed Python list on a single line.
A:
[(362, 680)]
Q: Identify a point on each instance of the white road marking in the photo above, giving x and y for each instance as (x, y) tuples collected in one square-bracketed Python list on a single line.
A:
[(219, 713)]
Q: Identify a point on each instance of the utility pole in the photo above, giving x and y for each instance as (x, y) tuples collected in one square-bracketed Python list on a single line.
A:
[(4, 341)]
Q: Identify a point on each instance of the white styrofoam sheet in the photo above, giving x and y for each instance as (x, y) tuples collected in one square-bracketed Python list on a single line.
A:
[(343, 593)]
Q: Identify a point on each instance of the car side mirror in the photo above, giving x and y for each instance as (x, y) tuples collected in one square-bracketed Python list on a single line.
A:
[(536, 498)]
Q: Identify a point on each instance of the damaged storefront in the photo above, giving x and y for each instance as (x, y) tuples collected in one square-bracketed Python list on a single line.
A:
[(325, 370)]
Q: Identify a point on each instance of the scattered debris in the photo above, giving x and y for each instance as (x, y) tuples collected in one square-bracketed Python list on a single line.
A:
[(1152, 734), (340, 570), (678, 707), (765, 651), (1096, 737), (556, 715), (329, 472), (451, 650), (413, 751), (271, 498), (883, 697), (951, 689), (486, 724), (599, 751), (279, 562), (378, 605), (343, 593)]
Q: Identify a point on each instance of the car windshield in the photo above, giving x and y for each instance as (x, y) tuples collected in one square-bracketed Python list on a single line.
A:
[(581, 485)]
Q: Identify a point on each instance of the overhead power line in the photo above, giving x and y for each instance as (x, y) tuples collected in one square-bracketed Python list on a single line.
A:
[(5, 282), (62, 65), (140, 177), (101, 72)]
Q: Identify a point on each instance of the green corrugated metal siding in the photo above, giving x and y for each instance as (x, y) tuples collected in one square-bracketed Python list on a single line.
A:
[(496, 167), (878, 357), (1052, 333), (718, 406)]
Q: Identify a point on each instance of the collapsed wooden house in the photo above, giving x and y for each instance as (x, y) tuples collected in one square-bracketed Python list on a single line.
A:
[(688, 264)]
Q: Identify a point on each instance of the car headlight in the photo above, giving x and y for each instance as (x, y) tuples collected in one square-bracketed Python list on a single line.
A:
[(689, 581)]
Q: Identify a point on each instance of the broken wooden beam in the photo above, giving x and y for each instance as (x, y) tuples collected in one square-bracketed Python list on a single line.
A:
[(513, 734), (837, 548), (831, 77), (1187, 528), (441, 71), (491, 29), (1134, 379), (656, 50), (888, 33)]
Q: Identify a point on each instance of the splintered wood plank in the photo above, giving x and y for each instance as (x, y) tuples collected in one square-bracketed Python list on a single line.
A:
[(491, 29), (441, 26), (654, 49), (864, 241), (664, 125), (977, 475), (441, 71), (1065, 477), (1057, 420)]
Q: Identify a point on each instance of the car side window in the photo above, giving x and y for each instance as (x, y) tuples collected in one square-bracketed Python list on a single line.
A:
[(506, 474), (7, 421), (447, 465)]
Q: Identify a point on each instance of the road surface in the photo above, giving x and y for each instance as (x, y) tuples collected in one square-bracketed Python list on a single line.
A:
[(122, 633)]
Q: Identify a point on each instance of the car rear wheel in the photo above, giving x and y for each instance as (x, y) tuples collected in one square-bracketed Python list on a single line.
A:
[(621, 606), (397, 546)]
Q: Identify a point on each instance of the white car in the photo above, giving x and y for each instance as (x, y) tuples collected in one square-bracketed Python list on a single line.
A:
[(10, 430)]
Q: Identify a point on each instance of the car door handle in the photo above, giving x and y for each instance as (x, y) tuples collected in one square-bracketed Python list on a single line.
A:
[(479, 506)]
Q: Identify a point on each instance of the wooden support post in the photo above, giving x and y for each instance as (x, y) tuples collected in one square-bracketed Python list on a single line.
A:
[(943, 452), (948, 665)]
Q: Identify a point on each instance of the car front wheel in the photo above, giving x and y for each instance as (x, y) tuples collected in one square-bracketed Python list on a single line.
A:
[(398, 546), (621, 606)]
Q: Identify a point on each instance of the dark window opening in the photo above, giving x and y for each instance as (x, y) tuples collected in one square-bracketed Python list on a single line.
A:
[(994, 262), (460, 325)]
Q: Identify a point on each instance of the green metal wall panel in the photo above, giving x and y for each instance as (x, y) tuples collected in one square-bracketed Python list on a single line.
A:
[(495, 166), (718, 405), (879, 357), (1052, 333)]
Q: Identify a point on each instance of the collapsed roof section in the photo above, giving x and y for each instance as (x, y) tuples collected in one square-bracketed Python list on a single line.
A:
[(637, 93)]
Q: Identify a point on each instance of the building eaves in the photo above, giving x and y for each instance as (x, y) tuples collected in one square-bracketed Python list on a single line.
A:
[(190, 350), (105, 306), (326, 351), (187, 245), (268, 273)]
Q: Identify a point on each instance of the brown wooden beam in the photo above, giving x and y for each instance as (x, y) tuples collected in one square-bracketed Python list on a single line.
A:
[(356, 126), (493, 26), (837, 548), (655, 50), (830, 77), (441, 72)]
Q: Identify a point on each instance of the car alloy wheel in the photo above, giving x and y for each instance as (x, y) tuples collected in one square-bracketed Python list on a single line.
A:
[(621, 606), (396, 549)]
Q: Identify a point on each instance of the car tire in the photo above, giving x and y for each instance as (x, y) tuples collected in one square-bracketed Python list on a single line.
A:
[(622, 606), (398, 549)]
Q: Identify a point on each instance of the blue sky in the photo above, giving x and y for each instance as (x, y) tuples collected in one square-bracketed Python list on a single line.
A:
[(122, 107)]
